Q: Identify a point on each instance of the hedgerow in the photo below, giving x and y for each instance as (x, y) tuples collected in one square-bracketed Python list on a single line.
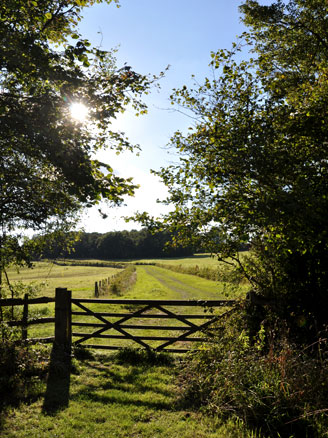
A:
[(266, 381), (123, 280)]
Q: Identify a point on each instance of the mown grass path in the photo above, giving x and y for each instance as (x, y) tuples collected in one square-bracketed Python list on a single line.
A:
[(154, 282), (169, 280)]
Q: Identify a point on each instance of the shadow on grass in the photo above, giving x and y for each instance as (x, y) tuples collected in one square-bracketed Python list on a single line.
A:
[(58, 384), (109, 399), (133, 378), (125, 383)]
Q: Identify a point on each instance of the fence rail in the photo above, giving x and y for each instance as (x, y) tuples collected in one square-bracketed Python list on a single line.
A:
[(8, 302)]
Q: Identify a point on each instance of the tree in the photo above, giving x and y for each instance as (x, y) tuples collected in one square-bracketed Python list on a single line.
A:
[(47, 167), (254, 167)]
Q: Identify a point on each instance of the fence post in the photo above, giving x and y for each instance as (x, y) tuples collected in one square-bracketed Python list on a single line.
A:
[(96, 290), (25, 318), (63, 319)]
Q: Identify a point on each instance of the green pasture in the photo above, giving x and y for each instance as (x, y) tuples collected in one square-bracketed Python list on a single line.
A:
[(199, 260), (79, 279), (111, 398), (152, 282), (45, 277)]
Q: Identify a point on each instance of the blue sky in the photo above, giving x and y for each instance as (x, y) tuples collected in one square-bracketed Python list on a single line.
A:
[(149, 35)]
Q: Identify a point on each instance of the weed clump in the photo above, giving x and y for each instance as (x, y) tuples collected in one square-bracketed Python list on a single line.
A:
[(265, 380)]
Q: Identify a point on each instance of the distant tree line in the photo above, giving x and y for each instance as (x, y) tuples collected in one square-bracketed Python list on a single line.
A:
[(115, 245)]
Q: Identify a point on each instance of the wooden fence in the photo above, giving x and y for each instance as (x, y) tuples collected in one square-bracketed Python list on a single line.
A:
[(102, 286), (25, 320), (163, 323)]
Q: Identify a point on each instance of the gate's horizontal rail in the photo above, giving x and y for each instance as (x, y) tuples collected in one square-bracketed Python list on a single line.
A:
[(132, 326), (116, 347), (145, 338), (205, 303), (145, 315), (31, 322)]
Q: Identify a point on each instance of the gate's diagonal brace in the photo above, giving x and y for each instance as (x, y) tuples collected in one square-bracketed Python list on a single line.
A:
[(178, 317), (114, 325), (191, 331)]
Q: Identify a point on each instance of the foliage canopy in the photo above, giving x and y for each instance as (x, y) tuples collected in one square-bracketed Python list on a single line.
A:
[(254, 166), (48, 169)]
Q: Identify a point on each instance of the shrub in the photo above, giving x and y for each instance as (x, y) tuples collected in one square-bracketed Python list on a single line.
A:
[(21, 367), (265, 380)]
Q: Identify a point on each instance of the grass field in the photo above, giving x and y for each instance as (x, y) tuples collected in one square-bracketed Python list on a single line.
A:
[(152, 282), (115, 399), (79, 279), (197, 259)]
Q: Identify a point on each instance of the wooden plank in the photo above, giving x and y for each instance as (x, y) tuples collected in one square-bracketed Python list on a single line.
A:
[(31, 322), (41, 321), (63, 319), (145, 338), (146, 315), (96, 289), (132, 326), (5, 302), (25, 318), (197, 303)]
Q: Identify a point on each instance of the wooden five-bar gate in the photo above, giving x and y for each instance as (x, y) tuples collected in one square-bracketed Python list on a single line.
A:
[(115, 323)]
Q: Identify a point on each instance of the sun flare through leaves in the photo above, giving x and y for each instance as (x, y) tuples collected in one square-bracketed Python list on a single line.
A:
[(79, 112)]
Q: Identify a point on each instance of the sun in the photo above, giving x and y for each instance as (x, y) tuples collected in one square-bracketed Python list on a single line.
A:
[(79, 111)]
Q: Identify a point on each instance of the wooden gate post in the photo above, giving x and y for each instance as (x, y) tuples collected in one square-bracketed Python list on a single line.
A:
[(25, 318), (63, 319)]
